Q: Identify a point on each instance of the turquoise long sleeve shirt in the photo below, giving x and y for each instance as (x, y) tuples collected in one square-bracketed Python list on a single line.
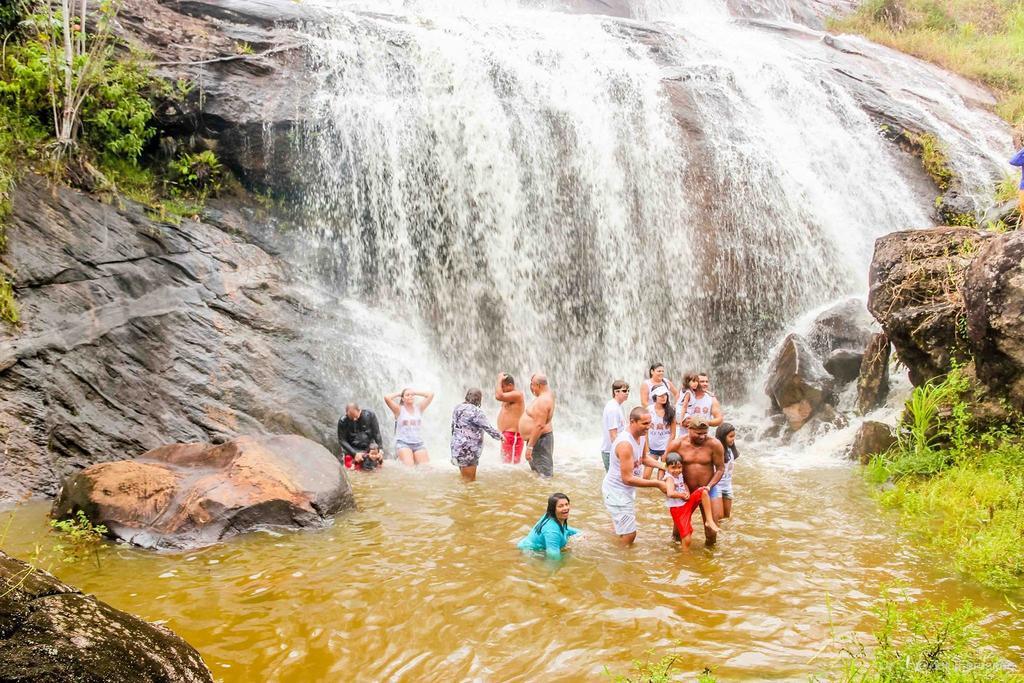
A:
[(551, 539)]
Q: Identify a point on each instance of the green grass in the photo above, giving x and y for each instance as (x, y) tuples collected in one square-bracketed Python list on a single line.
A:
[(961, 490), (923, 643), (980, 39)]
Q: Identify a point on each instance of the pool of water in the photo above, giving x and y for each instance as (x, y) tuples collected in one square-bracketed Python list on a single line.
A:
[(424, 582)]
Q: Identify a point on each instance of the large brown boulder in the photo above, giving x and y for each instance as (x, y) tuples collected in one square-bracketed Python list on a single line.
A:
[(846, 325), (994, 302), (798, 384), (872, 438), (53, 633), (950, 296), (195, 494)]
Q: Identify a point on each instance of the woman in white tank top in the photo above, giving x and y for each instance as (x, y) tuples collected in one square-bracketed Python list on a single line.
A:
[(663, 426), (655, 379), (408, 412)]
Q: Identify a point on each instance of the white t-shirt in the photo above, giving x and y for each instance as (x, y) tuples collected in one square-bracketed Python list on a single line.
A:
[(615, 491), (658, 436), (611, 419), (680, 487), (697, 406)]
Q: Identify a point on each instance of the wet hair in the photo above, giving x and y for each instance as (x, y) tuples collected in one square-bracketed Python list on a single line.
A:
[(723, 431), (553, 501), (474, 396), (508, 379), (687, 378), (401, 396), (619, 384), (673, 458), (352, 406), (654, 366), (373, 446), (637, 414)]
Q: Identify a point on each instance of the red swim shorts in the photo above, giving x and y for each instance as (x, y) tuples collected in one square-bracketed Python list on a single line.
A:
[(682, 513), (511, 447)]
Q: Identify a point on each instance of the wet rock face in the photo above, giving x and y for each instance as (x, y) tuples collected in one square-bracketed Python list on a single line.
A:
[(955, 294), (844, 364), (873, 382), (847, 325), (798, 384), (190, 495), (138, 333), (52, 633), (872, 438)]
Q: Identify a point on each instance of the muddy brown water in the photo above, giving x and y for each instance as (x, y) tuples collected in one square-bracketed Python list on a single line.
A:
[(424, 581)]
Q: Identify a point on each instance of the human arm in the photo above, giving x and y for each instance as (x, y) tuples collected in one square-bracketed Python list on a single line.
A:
[(644, 398), (506, 396), (479, 420), (681, 408), (392, 401), (718, 460), (428, 396), (344, 431), (716, 414), (624, 453), (672, 389), (652, 462)]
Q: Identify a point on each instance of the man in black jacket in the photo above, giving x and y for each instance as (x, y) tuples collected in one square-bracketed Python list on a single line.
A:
[(356, 431)]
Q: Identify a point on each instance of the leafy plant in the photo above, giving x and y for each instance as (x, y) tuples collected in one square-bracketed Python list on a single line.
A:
[(8, 307), (82, 536), (918, 643), (660, 671), (198, 175)]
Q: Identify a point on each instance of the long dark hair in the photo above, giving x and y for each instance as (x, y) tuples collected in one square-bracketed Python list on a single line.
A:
[(723, 431), (670, 410), (654, 366), (550, 514)]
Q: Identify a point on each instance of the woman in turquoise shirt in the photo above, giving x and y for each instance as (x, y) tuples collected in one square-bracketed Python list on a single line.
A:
[(552, 532)]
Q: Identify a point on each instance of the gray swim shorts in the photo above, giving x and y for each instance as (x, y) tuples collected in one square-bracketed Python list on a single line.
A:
[(543, 462)]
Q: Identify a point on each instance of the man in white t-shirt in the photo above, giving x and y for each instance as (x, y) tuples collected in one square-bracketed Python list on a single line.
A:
[(612, 421)]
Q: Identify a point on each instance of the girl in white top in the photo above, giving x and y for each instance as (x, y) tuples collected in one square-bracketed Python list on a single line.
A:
[(690, 385), (663, 426), (408, 414), (655, 378)]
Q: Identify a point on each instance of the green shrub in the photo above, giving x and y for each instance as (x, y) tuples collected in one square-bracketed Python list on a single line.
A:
[(198, 175), (8, 307), (83, 537), (920, 643), (935, 160), (117, 113)]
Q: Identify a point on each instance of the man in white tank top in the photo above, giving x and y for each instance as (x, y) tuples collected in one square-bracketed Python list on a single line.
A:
[(701, 403), (624, 475)]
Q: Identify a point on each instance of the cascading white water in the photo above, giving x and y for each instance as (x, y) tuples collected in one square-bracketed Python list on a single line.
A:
[(585, 195)]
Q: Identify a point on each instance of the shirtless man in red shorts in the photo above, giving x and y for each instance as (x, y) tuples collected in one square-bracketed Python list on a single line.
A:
[(512, 405), (703, 465)]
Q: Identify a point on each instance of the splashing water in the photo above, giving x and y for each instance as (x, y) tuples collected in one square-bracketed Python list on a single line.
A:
[(585, 194)]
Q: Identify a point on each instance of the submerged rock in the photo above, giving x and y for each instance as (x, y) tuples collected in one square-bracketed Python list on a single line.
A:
[(872, 438), (194, 494), (53, 633), (873, 383), (798, 384)]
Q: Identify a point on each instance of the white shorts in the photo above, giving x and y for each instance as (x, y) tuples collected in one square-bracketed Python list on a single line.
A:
[(623, 518)]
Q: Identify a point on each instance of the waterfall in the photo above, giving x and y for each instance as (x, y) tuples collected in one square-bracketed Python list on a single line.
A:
[(582, 194)]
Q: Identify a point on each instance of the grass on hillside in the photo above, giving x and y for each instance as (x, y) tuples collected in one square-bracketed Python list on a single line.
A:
[(980, 39), (963, 491)]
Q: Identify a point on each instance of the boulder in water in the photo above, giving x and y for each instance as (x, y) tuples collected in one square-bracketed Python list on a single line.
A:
[(872, 438), (873, 383), (844, 364), (797, 382), (53, 633), (194, 494), (847, 325)]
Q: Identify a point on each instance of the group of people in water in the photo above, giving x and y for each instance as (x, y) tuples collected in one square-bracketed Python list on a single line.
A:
[(664, 444)]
